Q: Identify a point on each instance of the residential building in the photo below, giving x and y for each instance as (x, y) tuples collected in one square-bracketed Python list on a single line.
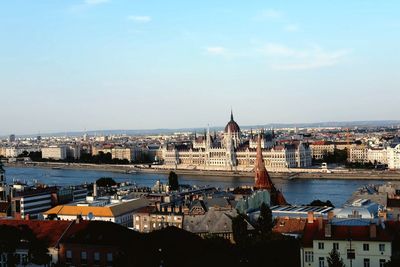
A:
[(54, 152), (359, 242), (393, 156), (377, 155), (358, 154), (321, 148)]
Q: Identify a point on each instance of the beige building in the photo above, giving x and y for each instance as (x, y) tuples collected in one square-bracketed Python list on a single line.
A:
[(122, 153), (54, 152), (358, 153), (320, 148)]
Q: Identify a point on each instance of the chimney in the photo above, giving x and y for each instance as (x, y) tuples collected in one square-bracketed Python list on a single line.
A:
[(94, 190), (310, 217), (320, 223), (328, 230), (372, 230), (330, 215)]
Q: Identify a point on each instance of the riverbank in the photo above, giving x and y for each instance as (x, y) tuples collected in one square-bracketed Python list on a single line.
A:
[(343, 175)]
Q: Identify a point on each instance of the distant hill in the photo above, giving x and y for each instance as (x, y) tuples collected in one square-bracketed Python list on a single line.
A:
[(382, 123)]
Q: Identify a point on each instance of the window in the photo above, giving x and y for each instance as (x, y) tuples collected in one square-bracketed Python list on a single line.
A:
[(366, 247), (96, 257), (68, 256), (83, 257), (309, 256), (381, 247), (382, 262), (336, 246), (109, 257), (320, 245), (321, 262), (366, 263)]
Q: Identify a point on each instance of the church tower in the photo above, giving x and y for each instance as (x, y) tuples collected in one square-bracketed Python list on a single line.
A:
[(263, 180)]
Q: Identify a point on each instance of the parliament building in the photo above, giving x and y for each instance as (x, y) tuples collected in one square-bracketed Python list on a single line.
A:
[(234, 151)]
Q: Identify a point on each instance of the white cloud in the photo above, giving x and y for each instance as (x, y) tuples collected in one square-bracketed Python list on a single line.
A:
[(291, 28), (216, 50), (285, 58), (95, 2), (268, 14), (140, 19)]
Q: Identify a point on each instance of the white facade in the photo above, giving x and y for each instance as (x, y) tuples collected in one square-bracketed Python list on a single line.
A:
[(367, 253), (378, 155), (394, 157), (54, 152)]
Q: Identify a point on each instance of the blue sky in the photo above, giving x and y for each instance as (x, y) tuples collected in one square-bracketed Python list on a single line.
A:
[(98, 64)]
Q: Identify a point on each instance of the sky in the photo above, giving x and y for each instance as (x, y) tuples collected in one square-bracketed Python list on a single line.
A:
[(125, 64)]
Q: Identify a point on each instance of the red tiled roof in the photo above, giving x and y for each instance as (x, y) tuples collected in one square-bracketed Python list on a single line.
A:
[(289, 225), (342, 232), (48, 231)]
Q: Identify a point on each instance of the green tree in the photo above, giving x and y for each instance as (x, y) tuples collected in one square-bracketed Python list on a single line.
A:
[(320, 203), (265, 222), (105, 182), (239, 229), (173, 181), (334, 259)]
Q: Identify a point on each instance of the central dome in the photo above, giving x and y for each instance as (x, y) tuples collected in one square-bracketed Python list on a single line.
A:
[(232, 126)]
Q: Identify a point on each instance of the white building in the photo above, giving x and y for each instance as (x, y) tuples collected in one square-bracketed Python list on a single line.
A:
[(54, 152), (359, 242), (393, 155), (378, 155)]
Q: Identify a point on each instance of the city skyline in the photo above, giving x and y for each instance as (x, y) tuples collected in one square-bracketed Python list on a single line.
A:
[(109, 64)]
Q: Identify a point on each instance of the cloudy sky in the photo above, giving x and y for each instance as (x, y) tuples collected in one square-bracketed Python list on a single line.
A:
[(115, 64)]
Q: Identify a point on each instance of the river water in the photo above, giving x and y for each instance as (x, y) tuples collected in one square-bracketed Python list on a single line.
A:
[(297, 191)]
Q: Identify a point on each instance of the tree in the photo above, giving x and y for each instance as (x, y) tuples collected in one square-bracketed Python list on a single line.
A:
[(105, 182), (239, 229), (334, 259), (265, 222), (320, 203), (173, 181)]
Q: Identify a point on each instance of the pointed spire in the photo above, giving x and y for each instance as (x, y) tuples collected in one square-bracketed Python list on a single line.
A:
[(231, 115), (262, 179)]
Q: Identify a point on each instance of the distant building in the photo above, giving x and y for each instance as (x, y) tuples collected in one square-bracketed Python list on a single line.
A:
[(321, 148), (234, 152), (54, 152), (377, 155), (11, 138), (358, 154), (122, 153), (394, 156)]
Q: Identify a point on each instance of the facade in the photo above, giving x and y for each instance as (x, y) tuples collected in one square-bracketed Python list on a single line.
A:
[(378, 155), (233, 152), (394, 157), (358, 154), (54, 152), (146, 221), (31, 203), (320, 148), (122, 153)]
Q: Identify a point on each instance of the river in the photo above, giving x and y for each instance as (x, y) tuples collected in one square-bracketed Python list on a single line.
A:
[(297, 191)]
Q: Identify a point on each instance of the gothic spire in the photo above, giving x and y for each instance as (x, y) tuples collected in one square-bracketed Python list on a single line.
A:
[(231, 115)]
